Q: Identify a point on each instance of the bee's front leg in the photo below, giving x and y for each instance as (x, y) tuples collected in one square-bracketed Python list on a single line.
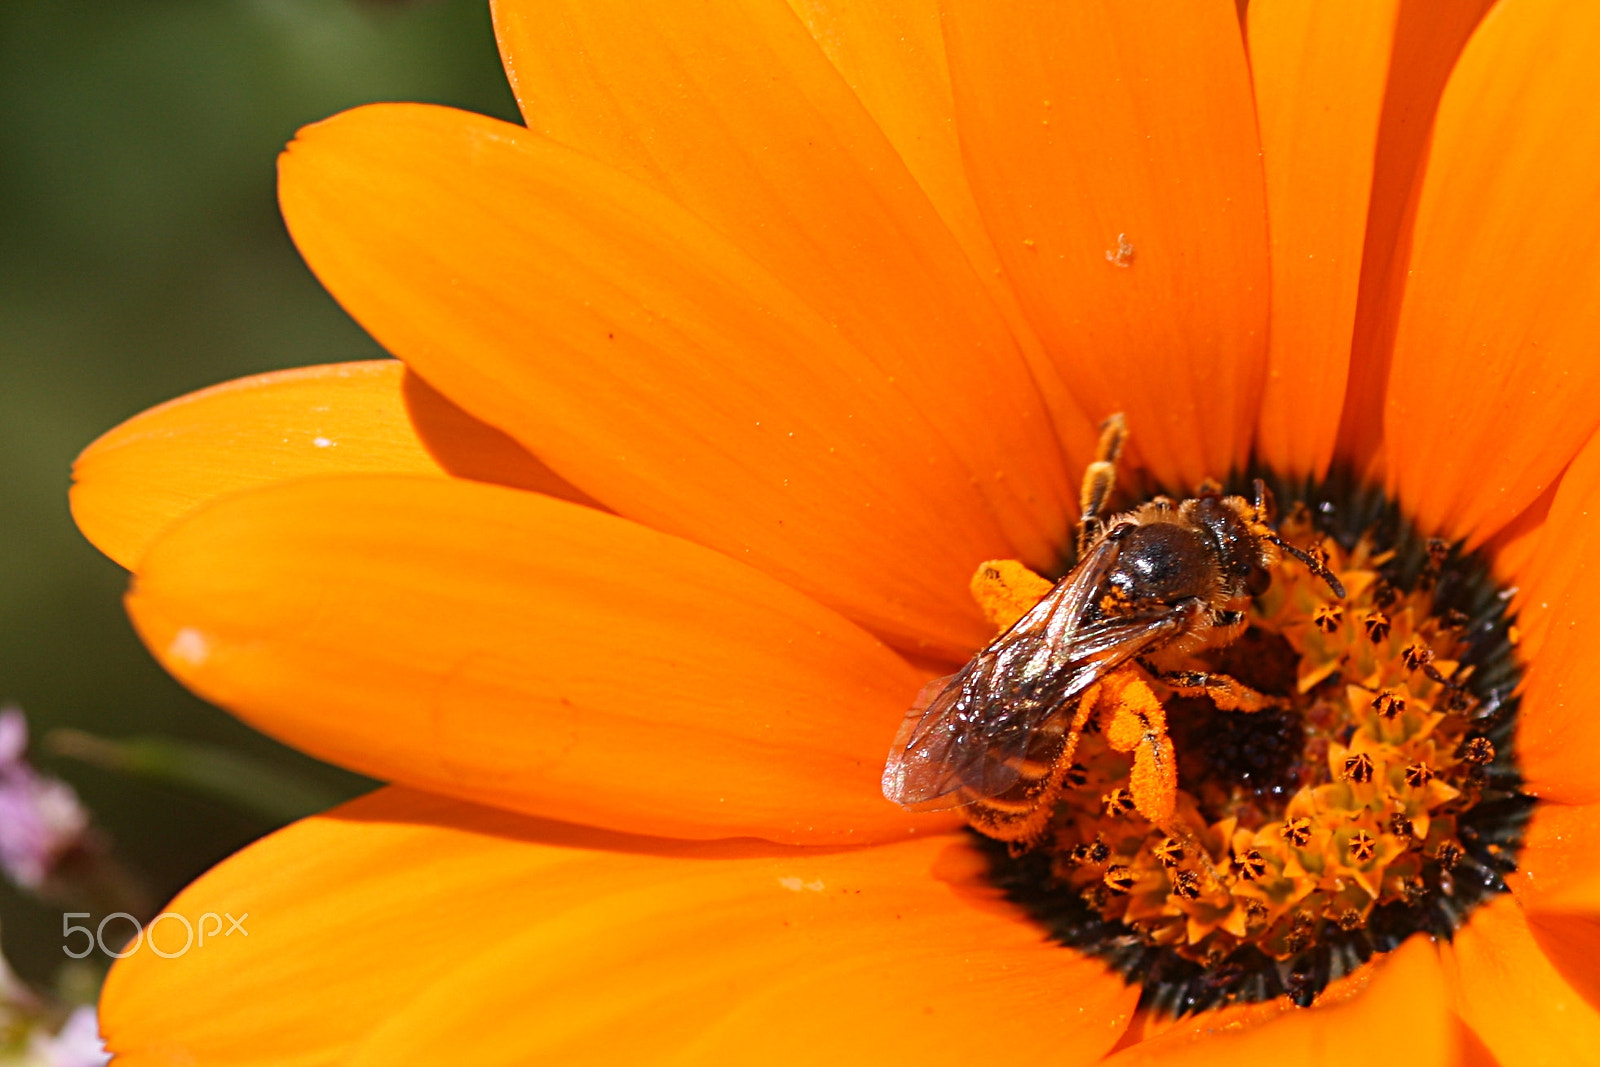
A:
[(1099, 480)]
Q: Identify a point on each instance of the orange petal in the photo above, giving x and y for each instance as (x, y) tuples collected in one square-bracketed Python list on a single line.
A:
[(466, 448), (1557, 574), (1495, 385), (405, 929), (1399, 1007), (1471, 1051), (864, 458), (521, 651), (1558, 739), (1507, 990), (1571, 942), (1513, 548), (1113, 152), (1575, 896), (137, 479), (1558, 736), (1560, 861), (1428, 37), (1319, 74), (892, 56), (839, 177)]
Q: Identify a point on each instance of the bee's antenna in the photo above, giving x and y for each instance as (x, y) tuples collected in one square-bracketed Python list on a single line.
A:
[(1266, 504), (1317, 564), (1266, 510)]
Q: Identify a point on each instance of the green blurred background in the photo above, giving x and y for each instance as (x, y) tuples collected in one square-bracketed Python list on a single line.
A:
[(141, 257)]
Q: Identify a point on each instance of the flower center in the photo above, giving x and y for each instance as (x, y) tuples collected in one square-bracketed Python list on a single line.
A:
[(1376, 796)]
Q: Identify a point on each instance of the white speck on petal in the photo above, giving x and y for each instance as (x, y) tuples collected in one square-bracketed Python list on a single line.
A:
[(190, 645), (322, 442), (1122, 255), (795, 885)]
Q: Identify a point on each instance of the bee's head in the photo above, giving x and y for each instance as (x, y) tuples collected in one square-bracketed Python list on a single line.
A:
[(1245, 557)]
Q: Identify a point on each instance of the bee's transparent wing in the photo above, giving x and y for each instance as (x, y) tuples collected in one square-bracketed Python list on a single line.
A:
[(1004, 716)]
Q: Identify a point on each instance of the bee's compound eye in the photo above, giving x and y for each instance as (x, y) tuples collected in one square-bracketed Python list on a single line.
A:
[(1259, 581)]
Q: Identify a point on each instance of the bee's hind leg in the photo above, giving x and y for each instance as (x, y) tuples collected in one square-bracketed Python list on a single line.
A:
[(1006, 590), (1021, 815), (1225, 691), (1138, 724)]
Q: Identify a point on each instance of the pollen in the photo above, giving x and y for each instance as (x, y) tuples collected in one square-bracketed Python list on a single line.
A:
[(1388, 704), (1370, 792), (1358, 768), (1119, 878), (1005, 590), (1251, 865)]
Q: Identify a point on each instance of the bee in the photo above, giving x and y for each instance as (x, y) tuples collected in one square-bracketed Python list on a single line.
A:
[(1151, 586)]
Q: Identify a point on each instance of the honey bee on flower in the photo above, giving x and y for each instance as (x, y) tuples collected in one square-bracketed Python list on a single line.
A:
[(999, 736)]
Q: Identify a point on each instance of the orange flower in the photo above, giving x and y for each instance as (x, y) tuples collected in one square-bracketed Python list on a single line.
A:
[(806, 309)]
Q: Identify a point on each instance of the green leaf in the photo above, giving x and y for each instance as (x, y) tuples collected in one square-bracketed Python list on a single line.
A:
[(248, 784)]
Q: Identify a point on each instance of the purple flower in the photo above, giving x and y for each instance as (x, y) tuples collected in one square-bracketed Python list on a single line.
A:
[(76, 1044), (41, 819)]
